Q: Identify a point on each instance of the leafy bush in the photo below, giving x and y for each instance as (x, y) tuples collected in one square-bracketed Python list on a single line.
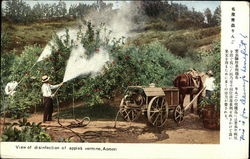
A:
[(4, 40), (7, 60), (24, 131), (214, 65), (214, 100), (130, 65), (91, 39), (18, 68), (133, 65), (28, 91)]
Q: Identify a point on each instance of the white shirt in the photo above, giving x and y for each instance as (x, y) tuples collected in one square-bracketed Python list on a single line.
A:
[(209, 83), (46, 89)]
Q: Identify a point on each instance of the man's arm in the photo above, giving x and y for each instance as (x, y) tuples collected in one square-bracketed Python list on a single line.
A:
[(56, 86)]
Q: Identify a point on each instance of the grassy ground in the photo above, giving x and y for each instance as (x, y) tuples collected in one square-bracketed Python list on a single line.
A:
[(20, 35)]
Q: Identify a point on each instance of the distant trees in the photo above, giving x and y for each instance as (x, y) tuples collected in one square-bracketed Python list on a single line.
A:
[(216, 19), (152, 8), (38, 11), (208, 16), (174, 12), (79, 10), (19, 11), (60, 9), (213, 19)]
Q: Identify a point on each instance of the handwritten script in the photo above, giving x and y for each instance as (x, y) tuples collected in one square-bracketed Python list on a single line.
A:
[(243, 76)]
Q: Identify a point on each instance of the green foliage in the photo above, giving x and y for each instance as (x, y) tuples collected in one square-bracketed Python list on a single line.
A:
[(90, 39), (19, 11), (179, 14), (28, 91), (4, 41), (208, 16), (214, 65), (216, 19), (54, 66), (152, 8), (130, 65), (28, 95), (79, 10), (24, 131), (133, 65), (6, 61), (214, 100)]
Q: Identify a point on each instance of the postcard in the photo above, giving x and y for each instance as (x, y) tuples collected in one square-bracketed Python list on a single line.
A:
[(124, 79)]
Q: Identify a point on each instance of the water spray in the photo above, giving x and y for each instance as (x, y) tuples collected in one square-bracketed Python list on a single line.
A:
[(11, 86)]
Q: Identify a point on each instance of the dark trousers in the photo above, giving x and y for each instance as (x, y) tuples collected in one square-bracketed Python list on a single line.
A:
[(48, 108), (209, 94)]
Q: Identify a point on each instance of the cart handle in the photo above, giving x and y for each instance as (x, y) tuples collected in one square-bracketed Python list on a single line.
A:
[(187, 106)]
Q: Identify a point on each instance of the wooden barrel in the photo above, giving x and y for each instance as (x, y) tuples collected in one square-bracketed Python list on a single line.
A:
[(211, 118)]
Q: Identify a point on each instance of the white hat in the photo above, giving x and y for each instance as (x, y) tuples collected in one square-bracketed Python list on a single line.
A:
[(45, 78), (210, 72)]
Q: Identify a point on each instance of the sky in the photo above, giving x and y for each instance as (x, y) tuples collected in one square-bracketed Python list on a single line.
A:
[(197, 5)]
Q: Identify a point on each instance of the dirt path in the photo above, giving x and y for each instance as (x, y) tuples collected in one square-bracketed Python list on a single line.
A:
[(190, 131)]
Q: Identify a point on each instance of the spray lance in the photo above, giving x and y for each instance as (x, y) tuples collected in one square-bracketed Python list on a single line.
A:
[(11, 86), (57, 89), (65, 79)]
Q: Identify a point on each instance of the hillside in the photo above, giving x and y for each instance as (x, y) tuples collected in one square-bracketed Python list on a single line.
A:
[(21, 35), (180, 42)]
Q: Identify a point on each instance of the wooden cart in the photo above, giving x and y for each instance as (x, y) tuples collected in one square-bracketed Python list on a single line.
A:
[(155, 103)]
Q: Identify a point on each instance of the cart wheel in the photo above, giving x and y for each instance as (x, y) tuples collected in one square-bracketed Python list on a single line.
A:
[(178, 114), (157, 111), (129, 113)]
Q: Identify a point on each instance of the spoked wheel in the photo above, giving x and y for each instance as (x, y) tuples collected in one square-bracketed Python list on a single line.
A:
[(157, 111), (178, 114), (128, 112)]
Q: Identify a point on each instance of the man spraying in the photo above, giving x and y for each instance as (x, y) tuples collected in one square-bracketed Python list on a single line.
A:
[(209, 84), (47, 98)]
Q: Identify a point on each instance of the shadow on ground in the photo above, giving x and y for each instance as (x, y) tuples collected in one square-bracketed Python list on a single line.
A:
[(99, 111)]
